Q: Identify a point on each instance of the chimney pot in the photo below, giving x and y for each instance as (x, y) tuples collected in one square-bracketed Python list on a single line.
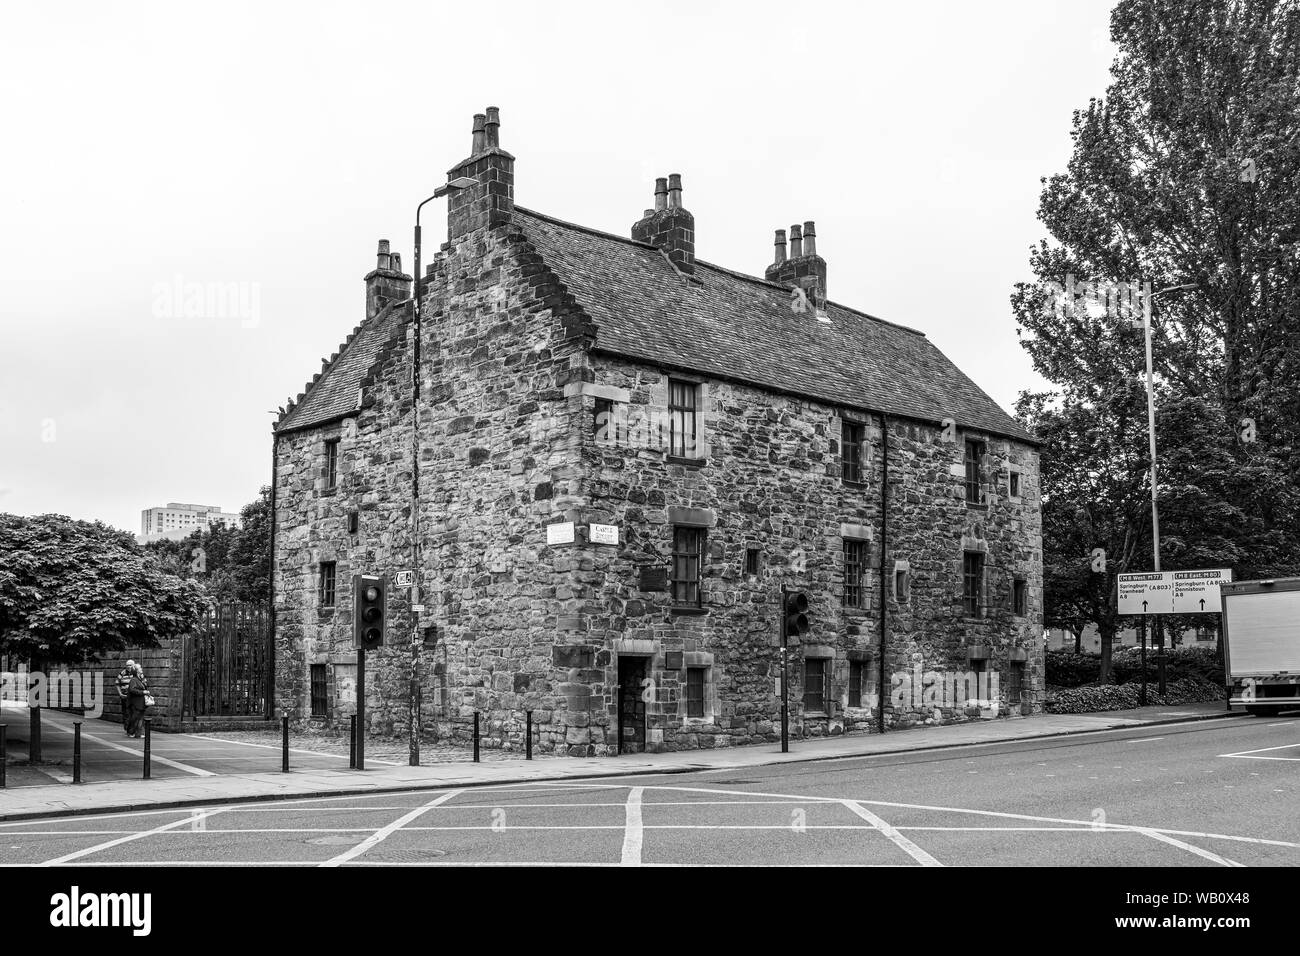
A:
[(796, 242), (661, 194), (382, 259), (674, 190), (492, 127), (480, 136), (810, 238), (780, 247)]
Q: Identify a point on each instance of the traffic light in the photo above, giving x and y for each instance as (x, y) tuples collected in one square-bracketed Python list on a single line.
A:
[(796, 614), (369, 610)]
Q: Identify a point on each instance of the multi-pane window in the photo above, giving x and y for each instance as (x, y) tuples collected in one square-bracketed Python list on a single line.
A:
[(688, 564), (972, 580), (751, 560), (695, 691), (318, 695), (683, 401), (1019, 597), (814, 683), (974, 453), (855, 563), (851, 445), (327, 570), (332, 463), (857, 673)]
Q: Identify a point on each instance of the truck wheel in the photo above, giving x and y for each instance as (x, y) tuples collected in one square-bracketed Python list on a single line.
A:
[(1263, 710)]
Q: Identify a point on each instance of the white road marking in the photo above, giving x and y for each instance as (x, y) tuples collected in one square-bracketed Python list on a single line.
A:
[(292, 750), (175, 764), (383, 834), (1285, 723), (1250, 754), (1145, 740), (632, 830), (902, 842), (187, 819), (1213, 857)]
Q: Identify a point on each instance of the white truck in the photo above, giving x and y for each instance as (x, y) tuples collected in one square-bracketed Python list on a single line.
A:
[(1261, 644)]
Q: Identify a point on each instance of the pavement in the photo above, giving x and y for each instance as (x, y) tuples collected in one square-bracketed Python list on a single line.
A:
[(190, 770), (1216, 792)]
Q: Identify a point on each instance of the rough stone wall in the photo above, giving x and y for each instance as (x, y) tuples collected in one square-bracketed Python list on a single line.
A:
[(507, 446)]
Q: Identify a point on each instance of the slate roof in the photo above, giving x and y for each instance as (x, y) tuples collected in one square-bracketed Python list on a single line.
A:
[(718, 323), (335, 392), (736, 326)]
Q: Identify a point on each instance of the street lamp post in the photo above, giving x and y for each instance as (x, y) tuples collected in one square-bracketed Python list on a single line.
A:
[(1155, 506), (414, 596)]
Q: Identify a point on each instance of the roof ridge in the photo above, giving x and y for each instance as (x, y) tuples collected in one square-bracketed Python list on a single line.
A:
[(757, 280)]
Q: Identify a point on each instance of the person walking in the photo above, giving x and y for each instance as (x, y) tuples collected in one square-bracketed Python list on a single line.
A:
[(137, 691), (124, 693)]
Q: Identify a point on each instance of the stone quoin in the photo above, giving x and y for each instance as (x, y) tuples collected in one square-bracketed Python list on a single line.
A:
[(548, 351)]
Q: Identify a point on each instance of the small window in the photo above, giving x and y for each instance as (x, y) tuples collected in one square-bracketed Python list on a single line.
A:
[(972, 575), (1015, 682), (688, 563), (332, 463), (751, 560), (974, 454), (855, 565), (354, 522), (1020, 597), (604, 423), (815, 670), (327, 569), (695, 691), (857, 671), (902, 584), (1013, 484), (318, 695), (683, 404), (851, 442)]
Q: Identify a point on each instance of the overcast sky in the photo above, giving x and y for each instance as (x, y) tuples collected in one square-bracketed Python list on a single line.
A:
[(266, 147)]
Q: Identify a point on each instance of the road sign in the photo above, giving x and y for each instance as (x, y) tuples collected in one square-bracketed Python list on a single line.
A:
[(404, 579), (1172, 592)]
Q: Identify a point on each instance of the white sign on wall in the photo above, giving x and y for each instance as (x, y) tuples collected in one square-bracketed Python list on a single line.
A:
[(561, 532), (603, 534), (1172, 592), (404, 579)]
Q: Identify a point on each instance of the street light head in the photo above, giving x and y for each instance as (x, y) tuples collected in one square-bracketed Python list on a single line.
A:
[(460, 182)]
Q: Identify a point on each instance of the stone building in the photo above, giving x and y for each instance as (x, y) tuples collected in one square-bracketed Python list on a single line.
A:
[(624, 454)]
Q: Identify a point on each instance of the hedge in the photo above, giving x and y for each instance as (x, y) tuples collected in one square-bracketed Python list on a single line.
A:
[(1100, 697), (1068, 669)]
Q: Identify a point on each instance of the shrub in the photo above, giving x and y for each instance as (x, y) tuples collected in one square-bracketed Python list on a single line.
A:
[(1068, 669), (1101, 697), (1184, 663)]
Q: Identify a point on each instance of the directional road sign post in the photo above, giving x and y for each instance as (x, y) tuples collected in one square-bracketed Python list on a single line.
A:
[(1172, 592)]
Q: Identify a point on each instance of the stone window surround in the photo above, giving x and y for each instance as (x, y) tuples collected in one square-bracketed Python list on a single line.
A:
[(332, 434), (860, 532), (712, 703), (658, 400), (821, 652), (904, 566), (1009, 469), (970, 543)]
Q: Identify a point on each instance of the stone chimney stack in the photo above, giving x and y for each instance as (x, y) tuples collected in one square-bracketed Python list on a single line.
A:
[(387, 283), (669, 225), (804, 268), (491, 201)]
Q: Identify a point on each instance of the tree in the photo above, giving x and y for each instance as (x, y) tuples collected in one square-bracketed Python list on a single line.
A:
[(71, 591), (236, 561), (1183, 174)]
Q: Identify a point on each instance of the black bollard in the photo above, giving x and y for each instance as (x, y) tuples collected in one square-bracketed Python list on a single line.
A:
[(3, 731), (76, 751), (476, 736), (352, 741), (147, 722), (284, 763), (34, 742), (528, 741)]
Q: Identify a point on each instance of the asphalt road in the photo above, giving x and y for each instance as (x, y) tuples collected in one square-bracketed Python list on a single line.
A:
[(1215, 793)]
